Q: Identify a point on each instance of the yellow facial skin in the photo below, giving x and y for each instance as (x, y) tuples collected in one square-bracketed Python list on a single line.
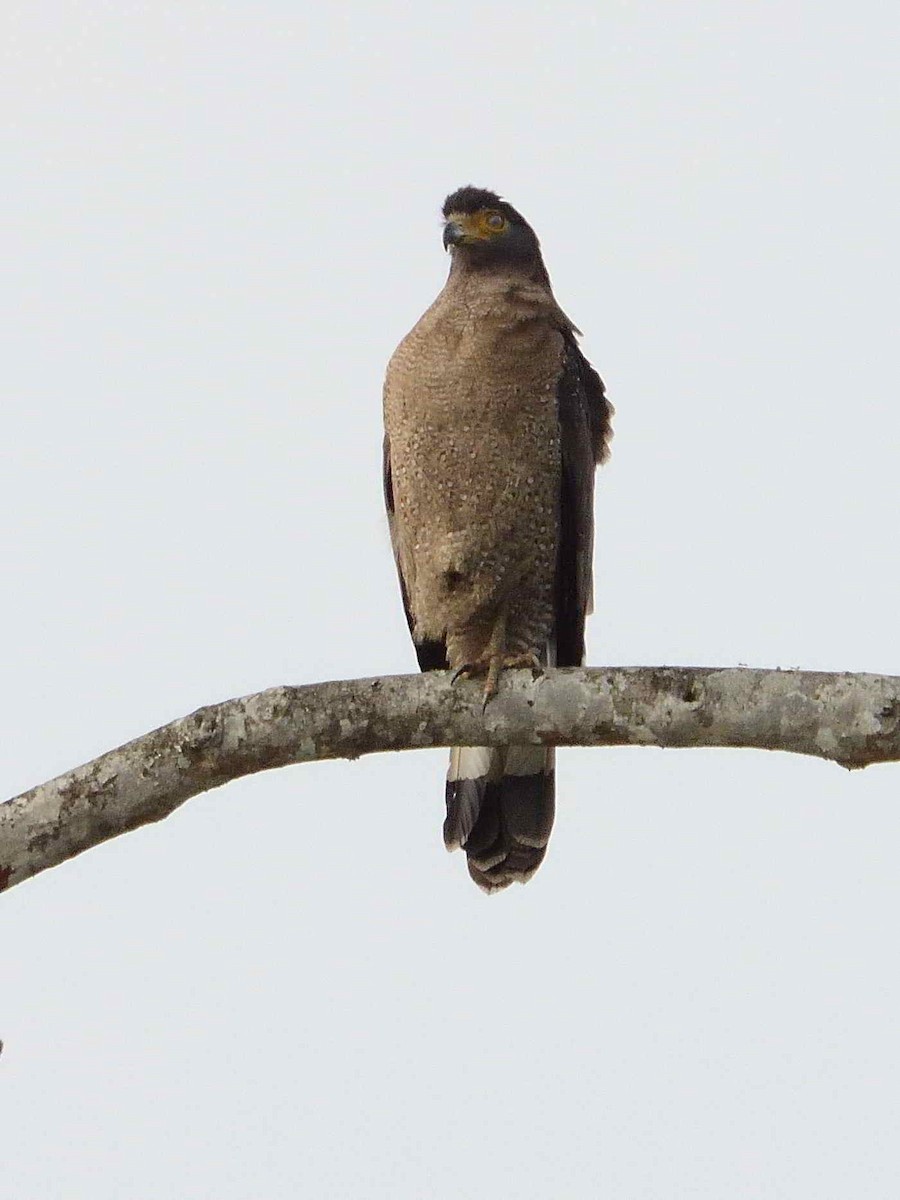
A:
[(481, 226)]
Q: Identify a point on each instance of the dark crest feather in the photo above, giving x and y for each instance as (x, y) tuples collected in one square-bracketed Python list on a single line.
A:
[(472, 199)]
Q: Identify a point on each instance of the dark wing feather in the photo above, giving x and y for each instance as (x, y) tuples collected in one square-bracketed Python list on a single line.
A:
[(432, 655), (585, 430)]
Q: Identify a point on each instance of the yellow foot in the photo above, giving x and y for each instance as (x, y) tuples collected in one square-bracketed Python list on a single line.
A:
[(487, 668), (528, 662), (490, 667), (472, 670)]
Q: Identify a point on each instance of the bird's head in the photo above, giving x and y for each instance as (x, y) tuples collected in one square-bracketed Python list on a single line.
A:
[(484, 231)]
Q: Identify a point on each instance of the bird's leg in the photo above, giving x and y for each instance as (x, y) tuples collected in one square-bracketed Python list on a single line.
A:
[(495, 652), (490, 662)]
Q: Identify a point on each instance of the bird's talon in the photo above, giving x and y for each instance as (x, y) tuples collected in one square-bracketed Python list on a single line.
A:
[(524, 662), (468, 671)]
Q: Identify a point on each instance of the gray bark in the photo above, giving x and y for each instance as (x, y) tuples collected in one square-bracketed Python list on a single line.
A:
[(853, 720)]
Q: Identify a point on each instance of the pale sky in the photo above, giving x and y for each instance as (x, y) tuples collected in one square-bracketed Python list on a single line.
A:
[(218, 219)]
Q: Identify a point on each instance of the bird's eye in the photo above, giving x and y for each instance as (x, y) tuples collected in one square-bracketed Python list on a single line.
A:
[(495, 221)]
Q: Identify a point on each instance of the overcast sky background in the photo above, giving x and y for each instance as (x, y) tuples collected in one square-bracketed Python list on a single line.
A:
[(217, 220)]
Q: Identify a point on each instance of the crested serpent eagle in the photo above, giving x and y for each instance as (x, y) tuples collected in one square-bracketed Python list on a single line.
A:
[(494, 424)]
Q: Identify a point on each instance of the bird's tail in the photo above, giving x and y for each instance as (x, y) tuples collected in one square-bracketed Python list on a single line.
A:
[(500, 806)]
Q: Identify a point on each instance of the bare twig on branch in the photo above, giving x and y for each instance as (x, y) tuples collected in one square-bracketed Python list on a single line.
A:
[(853, 720)]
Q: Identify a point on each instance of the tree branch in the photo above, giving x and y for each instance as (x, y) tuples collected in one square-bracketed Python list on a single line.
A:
[(853, 720)]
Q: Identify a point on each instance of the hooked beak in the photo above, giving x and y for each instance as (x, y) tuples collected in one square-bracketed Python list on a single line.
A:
[(453, 234)]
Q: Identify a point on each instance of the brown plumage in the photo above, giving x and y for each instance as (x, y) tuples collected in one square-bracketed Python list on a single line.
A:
[(494, 422)]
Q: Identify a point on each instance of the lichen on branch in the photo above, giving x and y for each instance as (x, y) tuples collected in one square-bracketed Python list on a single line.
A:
[(851, 719)]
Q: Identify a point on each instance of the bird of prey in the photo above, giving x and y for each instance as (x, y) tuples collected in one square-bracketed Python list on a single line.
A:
[(494, 423)]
